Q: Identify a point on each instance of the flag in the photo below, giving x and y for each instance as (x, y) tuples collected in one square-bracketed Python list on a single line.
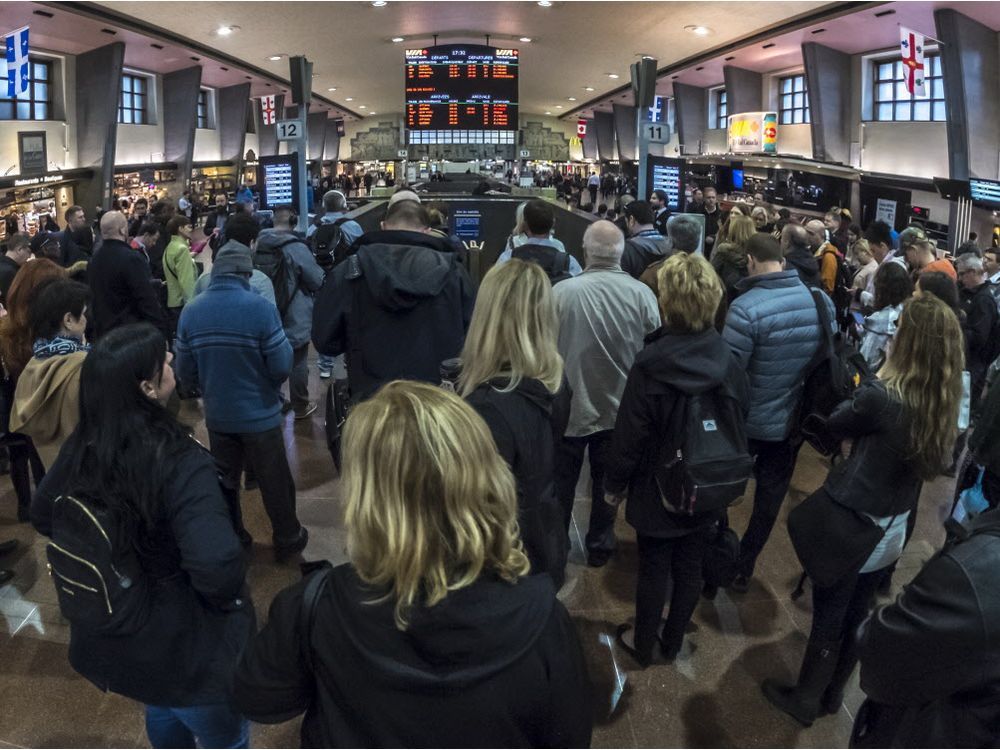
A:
[(267, 107), (911, 47), (656, 112), (17, 62), (581, 128)]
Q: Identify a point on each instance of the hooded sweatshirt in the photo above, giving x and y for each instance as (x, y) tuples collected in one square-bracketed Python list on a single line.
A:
[(670, 368), (527, 423), (47, 399), (399, 307), (494, 664)]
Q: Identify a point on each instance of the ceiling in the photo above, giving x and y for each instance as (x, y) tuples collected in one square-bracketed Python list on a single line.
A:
[(573, 44)]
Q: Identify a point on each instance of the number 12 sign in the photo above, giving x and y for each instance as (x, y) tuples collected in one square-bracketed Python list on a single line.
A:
[(289, 130)]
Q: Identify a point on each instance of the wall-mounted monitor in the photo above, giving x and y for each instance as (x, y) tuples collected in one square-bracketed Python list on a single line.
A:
[(985, 193), (663, 173), (277, 177), (951, 190), (806, 190)]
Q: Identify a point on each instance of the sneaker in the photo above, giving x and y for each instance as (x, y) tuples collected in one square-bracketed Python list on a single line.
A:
[(284, 551), (310, 408), (325, 374), (286, 406)]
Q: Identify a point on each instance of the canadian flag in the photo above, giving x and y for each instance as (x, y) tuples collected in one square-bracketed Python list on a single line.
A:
[(267, 107), (911, 46), (581, 128)]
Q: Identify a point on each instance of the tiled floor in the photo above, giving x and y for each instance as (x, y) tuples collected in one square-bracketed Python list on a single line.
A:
[(709, 698)]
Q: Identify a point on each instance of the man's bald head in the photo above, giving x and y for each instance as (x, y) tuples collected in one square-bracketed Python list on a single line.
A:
[(603, 244), (114, 226), (794, 236)]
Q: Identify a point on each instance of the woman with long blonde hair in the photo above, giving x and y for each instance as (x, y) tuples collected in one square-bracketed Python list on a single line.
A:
[(729, 259), (512, 375), (903, 426), (433, 634)]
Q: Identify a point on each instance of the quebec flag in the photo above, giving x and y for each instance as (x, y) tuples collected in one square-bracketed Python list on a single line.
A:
[(17, 62)]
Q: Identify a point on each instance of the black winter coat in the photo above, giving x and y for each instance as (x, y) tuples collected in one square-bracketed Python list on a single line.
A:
[(980, 308), (642, 250), (399, 307), (492, 665), (878, 477), (526, 424), (121, 289), (930, 662), (202, 615), (803, 261), (670, 367)]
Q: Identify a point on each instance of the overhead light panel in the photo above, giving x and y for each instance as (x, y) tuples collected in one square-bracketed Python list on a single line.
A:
[(362, 106), (274, 58), (226, 30), (349, 99), (588, 88), (548, 113), (698, 30), (380, 3), (525, 39), (572, 98), (545, 3), (397, 39), (332, 88), (613, 75)]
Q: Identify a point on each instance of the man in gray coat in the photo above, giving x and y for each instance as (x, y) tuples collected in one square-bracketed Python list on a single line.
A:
[(773, 328), (604, 317), (303, 279)]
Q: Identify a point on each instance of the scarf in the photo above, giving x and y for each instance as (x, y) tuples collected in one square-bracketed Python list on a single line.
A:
[(45, 348)]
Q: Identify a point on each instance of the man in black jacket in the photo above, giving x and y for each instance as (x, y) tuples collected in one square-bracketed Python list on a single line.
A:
[(645, 244), (930, 662), (398, 307), (217, 221), (120, 283), (981, 319), (76, 224), (18, 252)]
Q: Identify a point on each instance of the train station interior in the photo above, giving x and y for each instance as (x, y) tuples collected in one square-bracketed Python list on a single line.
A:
[(186, 117)]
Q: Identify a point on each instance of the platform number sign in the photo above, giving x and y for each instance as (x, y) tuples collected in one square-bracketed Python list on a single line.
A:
[(656, 132), (289, 130)]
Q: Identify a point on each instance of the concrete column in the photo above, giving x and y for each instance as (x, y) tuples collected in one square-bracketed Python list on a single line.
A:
[(590, 141), (970, 62), (234, 108), (691, 115), (316, 123), (625, 132), (267, 136), (744, 90), (98, 86), (828, 79), (180, 118), (604, 123)]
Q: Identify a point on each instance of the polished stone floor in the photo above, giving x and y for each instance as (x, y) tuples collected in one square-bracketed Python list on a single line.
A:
[(708, 698)]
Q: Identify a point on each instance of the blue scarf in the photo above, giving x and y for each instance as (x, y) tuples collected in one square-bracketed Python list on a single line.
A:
[(45, 348)]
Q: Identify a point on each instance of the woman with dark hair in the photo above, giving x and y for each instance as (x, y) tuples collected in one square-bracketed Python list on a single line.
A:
[(46, 400), (892, 288), (15, 352), (132, 462)]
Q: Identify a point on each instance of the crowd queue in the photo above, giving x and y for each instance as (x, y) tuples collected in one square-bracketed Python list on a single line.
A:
[(679, 365)]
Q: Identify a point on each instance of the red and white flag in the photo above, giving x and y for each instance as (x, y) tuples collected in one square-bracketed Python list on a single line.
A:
[(581, 128), (267, 107), (911, 47)]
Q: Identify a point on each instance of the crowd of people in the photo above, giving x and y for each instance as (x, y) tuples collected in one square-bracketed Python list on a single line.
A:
[(679, 368)]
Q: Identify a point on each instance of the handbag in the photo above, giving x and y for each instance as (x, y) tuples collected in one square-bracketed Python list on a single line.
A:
[(831, 540)]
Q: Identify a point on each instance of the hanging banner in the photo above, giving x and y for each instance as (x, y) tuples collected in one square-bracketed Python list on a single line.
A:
[(911, 48), (16, 43), (581, 128), (658, 112), (267, 107), (753, 133)]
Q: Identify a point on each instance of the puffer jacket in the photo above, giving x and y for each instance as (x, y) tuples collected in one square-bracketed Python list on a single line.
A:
[(773, 329), (305, 278)]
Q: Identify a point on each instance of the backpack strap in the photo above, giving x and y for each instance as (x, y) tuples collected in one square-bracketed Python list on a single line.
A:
[(318, 575)]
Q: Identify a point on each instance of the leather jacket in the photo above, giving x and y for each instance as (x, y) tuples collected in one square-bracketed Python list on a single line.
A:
[(930, 662)]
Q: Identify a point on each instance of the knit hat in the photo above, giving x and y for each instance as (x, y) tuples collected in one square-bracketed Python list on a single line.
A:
[(233, 257)]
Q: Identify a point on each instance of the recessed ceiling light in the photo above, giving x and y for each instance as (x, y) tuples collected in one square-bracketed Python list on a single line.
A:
[(558, 106), (380, 3), (226, 30), (548, 113), (373, 113), (525, 39), (274, 58), (332, 88), (545, 3), (612, 75), (362, 106), (349, 99), (397, 39), (699, 30), (572, 99), (588, 88)]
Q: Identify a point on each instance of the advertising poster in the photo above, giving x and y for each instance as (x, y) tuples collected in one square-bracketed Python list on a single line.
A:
[(753, 133)]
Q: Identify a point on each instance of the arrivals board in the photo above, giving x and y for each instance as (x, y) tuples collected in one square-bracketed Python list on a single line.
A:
[(666, 174), (985, 192), (461, 88), (277, 177)]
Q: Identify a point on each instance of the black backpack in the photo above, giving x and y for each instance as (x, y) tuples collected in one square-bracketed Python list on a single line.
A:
[(831, 376), (272, 261), (329, 244), (710, 469), (97, 574), (554, 262)]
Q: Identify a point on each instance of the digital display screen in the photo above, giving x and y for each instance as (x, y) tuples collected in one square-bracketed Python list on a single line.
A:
[(278, 180), (985, 192), (788, 187), (666, 174), (466, 223), (737, 179), (461, 87)]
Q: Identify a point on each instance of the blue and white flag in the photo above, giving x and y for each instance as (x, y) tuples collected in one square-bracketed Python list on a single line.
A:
[(17, 62)]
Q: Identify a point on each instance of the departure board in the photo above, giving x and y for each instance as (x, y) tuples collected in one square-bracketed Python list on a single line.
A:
[(665, 174), (461, 94)]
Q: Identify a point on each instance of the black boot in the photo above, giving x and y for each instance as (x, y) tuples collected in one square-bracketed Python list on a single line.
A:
[(802, 701), (833, 696)]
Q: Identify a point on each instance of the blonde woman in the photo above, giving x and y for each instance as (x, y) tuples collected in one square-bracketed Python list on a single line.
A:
[(512, 375), (432, 635), (687, 356), (903, 425), (730, 256)]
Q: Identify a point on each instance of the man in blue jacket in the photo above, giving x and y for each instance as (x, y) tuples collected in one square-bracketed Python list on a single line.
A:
[(231, 344), (773, 328)]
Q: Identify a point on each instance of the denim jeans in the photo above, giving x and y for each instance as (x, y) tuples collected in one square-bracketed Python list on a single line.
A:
[(298, 380), (335, 364), (215, 726), (773, 469), (569, 460)]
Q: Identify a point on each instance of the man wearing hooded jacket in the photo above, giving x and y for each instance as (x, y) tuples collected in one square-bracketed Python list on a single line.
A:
[(398, 307)]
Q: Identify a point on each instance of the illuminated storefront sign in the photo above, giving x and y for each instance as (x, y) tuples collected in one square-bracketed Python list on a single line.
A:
[(753, 133)]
